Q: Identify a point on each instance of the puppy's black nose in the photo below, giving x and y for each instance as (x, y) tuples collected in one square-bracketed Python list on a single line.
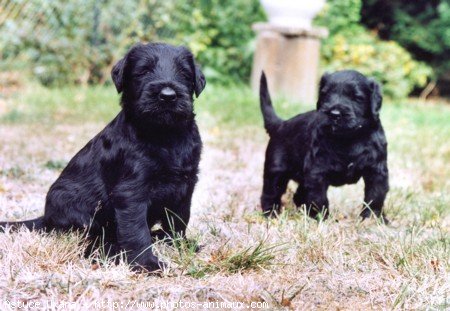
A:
[(335, 114), (167, 94)]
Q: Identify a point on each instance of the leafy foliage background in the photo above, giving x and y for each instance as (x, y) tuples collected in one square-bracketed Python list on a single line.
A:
[(421, 26), (351, 45), (78, 41)]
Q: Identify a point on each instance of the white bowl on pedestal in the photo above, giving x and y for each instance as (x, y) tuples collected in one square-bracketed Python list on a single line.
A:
[(292, 13)]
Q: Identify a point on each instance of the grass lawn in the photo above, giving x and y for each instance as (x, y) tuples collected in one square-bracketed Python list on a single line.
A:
[(292, 262)]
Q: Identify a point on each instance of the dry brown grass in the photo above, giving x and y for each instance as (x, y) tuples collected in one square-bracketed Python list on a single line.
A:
[(291, 262)]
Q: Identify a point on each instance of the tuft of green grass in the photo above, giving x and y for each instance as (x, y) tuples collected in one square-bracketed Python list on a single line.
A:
[(250, 258), (56, 165), (224, 260)]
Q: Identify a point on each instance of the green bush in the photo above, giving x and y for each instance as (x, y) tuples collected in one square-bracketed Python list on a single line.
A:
[(422, 26), (217, 31), (351, 46), (67, 42), (78, 41)]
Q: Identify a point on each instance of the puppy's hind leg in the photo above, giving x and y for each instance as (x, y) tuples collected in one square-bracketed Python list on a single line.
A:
[(173, 231), (276, 178), (316, 200), (376, 184), (174, 223), (299, 196), (275, 184)]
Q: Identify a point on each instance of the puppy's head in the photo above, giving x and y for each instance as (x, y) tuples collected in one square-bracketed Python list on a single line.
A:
[(350, 101), (157, 82)]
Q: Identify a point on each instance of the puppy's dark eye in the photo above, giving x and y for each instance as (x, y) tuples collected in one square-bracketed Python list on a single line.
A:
[(360, 98), (144, 68), (142, 73)]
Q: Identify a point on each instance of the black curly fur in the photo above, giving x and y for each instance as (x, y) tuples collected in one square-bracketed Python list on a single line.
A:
[(142, 166), (337, 144)]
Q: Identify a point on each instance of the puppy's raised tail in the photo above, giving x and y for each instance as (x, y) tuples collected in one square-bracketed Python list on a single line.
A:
[(32, 224), (271, 121)]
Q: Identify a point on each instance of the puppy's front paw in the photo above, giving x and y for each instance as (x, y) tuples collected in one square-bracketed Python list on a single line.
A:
[(367, 212), (148, 263), (153, 267)]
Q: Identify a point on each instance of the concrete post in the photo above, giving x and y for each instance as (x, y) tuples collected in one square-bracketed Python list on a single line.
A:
[(290, 58)]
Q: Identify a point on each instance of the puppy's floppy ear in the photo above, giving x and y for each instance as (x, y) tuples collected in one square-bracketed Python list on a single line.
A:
[(322, 83), (375, 99), (117, 74), (199, 80)]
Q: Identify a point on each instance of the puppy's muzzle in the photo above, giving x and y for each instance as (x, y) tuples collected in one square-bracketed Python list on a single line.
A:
[(167, 94)]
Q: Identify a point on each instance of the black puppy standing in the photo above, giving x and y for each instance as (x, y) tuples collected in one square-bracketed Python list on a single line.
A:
[(337, 144), (143, 166)]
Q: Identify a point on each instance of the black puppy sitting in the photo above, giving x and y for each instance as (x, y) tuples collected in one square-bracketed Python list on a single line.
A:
[(143, 166), (337, 144)]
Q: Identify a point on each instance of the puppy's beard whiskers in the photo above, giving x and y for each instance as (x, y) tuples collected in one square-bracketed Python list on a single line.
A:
[(164, 116), (175, 108)]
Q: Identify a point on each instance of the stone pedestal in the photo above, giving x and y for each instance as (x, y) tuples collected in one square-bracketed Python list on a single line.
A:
[(290, 58)]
